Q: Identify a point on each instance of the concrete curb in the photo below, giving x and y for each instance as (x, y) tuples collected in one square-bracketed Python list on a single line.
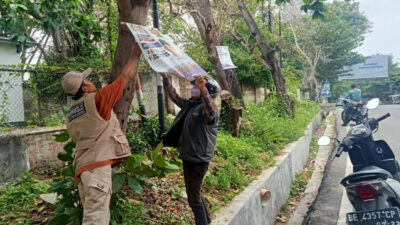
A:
[(315, 181), (246, 208)]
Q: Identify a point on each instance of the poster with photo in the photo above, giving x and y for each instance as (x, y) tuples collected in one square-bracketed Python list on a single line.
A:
[(162, 54), (225, 57)]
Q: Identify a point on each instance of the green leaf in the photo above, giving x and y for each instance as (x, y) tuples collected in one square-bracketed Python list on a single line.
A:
[(160, 161), (147, 171), (63, 137), (172, 166), (65, 157), (159, 147), (135, 185), (118, 182), (69, 147), (73, 212), (68, 172), (60, 219)]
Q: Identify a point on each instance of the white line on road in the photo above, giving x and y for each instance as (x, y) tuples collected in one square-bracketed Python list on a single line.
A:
[(345, 205)]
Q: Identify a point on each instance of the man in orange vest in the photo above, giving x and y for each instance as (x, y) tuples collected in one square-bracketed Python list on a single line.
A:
[(100, 142)]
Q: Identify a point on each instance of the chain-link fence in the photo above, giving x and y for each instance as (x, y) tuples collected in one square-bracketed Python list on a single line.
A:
[(11, 98), (34, 97), (31, 98)]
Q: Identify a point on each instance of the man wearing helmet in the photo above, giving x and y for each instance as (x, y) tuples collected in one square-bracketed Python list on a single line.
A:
[(194, 133)]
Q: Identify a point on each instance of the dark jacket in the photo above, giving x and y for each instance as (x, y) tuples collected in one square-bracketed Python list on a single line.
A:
[(194, 138)]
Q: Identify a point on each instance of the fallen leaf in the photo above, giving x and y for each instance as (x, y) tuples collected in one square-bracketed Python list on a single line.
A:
[(281, 219), (38, 201)]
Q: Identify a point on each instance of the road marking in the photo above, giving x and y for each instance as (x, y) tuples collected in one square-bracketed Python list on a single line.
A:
[(345, 205)]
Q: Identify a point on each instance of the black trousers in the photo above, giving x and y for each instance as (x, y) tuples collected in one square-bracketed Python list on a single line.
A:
[(193, 174)]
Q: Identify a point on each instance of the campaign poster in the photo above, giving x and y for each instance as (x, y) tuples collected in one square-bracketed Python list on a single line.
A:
[(225, 57), (162, 54)]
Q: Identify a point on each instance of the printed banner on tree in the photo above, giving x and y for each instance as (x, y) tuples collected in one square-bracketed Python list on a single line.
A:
[(162, 54), (225, 57)]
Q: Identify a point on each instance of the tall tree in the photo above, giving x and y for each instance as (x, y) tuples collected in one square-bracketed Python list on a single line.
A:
[(203, 16), (269, 54), (130, 11), (325, 49)]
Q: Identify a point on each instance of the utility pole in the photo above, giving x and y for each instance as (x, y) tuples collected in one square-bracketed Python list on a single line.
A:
[(160, 95), (262, 12), (270, 23), (280, 35)]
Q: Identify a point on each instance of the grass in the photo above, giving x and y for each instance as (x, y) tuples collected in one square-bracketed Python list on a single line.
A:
[(20, 200)]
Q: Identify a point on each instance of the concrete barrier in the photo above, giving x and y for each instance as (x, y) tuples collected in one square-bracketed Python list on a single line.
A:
[(247, 208), (25, 149)]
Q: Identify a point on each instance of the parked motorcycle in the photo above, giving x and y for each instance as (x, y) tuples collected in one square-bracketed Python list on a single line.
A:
[(357, 112), (374, 186)]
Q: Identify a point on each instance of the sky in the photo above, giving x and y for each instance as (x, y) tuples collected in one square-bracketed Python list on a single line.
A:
[(384, 37)]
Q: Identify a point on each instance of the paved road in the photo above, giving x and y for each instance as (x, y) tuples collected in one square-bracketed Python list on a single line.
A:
[(331, 204)]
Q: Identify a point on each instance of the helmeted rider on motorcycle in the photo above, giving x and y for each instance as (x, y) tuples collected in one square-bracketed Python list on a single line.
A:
[(354, 96)]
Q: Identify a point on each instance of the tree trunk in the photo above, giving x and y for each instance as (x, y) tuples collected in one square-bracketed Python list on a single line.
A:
[(313, 84), (131, 11), (204, 19), (270, 55)]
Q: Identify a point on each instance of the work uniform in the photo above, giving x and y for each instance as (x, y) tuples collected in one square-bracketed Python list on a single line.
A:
[(100, 143)]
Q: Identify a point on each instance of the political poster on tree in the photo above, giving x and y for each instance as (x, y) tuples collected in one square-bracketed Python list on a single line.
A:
[(225, 57), (162, 54)]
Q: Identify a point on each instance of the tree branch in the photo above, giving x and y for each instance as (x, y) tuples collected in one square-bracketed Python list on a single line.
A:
[(250, 50), (296, 42)]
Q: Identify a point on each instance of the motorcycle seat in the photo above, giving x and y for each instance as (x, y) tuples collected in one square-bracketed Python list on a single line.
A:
[(367, 173)]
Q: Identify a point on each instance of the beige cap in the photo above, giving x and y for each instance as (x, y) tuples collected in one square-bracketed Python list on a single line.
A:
[(72, 81)]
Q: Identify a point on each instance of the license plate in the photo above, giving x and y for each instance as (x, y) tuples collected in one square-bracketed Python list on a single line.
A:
[(389, 216)]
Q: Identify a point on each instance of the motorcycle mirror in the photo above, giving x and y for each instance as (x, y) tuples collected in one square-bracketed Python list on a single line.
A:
[(373, 103), (324, 140)]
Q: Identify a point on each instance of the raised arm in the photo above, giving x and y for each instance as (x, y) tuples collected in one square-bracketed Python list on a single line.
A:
[(178, 100), (130, 69), (210, 109)]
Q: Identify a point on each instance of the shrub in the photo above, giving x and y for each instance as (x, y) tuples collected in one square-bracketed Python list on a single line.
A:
[(146, 136), (269, 127)]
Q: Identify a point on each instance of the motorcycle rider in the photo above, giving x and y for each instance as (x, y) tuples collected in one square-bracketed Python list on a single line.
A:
[(354, 96)]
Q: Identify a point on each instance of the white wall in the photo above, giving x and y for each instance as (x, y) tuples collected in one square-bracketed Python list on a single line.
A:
[(14, 104)]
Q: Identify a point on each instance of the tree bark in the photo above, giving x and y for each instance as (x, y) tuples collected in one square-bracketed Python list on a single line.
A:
[(131, 11), (205, 22), (270, 55)]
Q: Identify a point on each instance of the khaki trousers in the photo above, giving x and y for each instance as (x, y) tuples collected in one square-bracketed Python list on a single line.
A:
[(95, 193)]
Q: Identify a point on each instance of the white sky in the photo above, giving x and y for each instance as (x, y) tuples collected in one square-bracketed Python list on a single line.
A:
[(384, 37)]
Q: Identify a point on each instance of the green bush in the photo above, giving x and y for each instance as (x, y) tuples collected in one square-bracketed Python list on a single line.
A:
[(267, 128), (146, 136), (271, 128)]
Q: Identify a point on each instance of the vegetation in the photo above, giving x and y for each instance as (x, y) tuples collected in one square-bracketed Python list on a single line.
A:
[(237, 162), (19, 200), (148, 186)]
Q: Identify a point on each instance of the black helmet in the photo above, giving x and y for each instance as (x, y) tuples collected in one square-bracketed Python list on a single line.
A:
[(212, 86)]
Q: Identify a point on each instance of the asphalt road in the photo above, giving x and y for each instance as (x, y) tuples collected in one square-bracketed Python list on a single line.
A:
[(331, 203)]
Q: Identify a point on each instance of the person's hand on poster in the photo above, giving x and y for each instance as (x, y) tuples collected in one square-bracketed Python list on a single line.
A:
[(201, 82)]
